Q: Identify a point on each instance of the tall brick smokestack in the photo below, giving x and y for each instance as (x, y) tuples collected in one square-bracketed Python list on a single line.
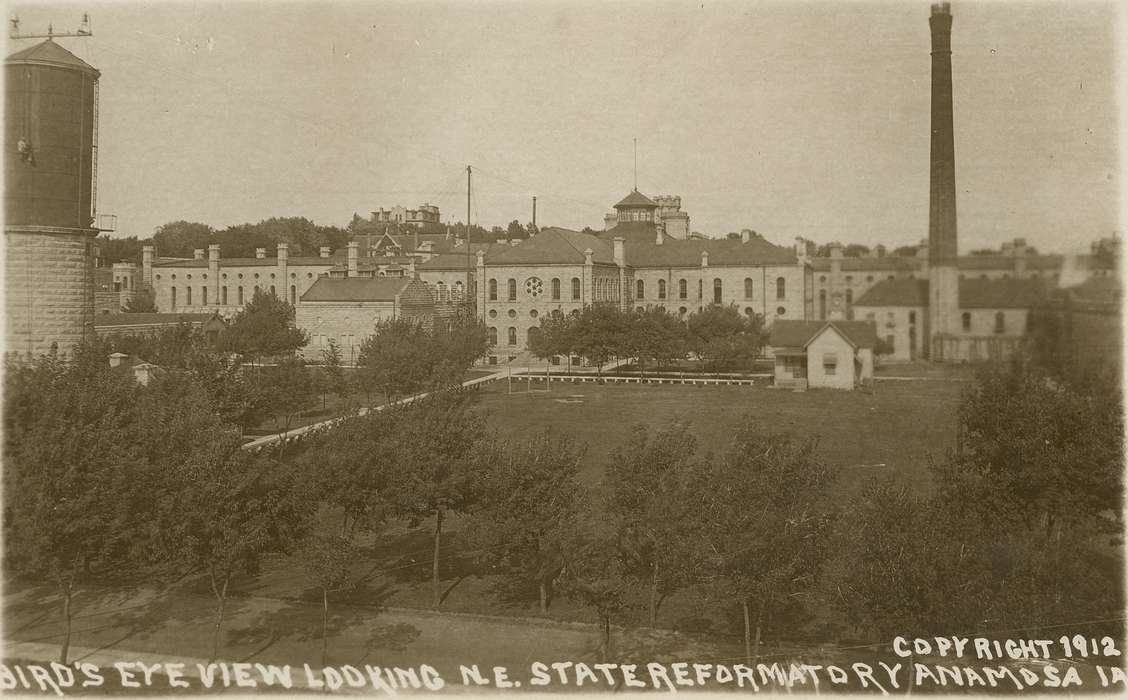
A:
[(942, 181), (943, 273)]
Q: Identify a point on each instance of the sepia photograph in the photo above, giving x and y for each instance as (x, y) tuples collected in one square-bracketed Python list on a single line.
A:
[(509, 348)]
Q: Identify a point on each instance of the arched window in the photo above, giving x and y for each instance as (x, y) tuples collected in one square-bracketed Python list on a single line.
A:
[(749, 286), (966, 319), (240, 295), (457, 290), (661, 289), (718, 290), (822, 304), (1000, 322), (512, 335), (273, 291), (700, 289), (493, 290), (683, 289), (575, 289), (188, 296), (511, 289), (556, 289), (781, 288), (849, 297), (172, 298), (204, 296), (293, 294), (223, 296), (493, 336), (640, 289)]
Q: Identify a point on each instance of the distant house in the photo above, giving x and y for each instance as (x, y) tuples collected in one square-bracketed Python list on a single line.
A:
[(822, 354), (133, 366)]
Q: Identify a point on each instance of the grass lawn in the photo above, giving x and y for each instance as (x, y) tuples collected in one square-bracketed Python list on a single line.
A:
[(890, 431)]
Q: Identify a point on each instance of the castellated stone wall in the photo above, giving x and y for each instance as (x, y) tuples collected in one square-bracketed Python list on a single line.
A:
[(48, 289)]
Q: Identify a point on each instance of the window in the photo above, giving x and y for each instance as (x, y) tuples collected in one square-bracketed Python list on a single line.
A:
[(781, 288), (534, 287), (849, 279), (871, 316), (718, 290), (822, 303), (240, 296), (849, 297), (780, 311), (493, 336), (966, 319), (556, 289), (223, 295), (889, 342), (683, 291), (912, 317), (293, 294), (493, 290), (700, 289), (869, 279), (204, 296), (682, 311), (273, 291), (575, 289), (533, 335), (188, 296), (172, 297), (661, 289), (748, 287), (830, 363), (512, 335), (1000, 322), (640, 289), (511, 290)]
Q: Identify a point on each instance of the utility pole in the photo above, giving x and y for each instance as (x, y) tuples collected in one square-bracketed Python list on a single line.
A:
[(534, 212), (83, 30), (636, 164), (468, 232)]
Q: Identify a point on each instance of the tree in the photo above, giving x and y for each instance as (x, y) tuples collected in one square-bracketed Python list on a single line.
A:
[(906, 251), (648, 497), (230, 510), (596, 576), (265, 327), (599, 333), (724, 337), (179, 239), (282, 392), (530, 503), (433, 461), (405, 357), (657, 336), (555, 337), (126, 249), (327, 560), (140, 303), (515, 230), (765, 519), (335, 381)]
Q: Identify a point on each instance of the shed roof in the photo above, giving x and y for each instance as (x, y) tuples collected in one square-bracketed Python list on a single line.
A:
[(797, 334), (896, 292), (1001, 293), (554, 246)]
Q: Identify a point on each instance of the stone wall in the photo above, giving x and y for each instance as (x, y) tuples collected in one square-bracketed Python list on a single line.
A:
[(700, 286), (48, 289)]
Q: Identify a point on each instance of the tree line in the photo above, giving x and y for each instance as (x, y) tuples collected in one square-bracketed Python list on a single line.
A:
[(719, 335)]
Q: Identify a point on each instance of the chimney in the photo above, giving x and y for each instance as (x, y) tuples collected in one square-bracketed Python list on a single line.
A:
[(326, 251), (198, 254), (801, 249), (116, 358), (745, 235), (704, 258), (260, 253), (147, 253), (620, 258), (942, 173), (588, 252), (213, 270), (658, 236), (353, 255)]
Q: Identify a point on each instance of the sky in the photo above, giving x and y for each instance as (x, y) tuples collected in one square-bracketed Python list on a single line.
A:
[(793, 119)]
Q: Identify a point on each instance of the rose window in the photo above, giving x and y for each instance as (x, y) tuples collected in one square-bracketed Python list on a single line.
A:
[(534, 287)]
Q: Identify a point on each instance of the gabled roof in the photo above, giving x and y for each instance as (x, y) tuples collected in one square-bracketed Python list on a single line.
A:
[(889, 263), (356, 289), (799, 334), (1001, 293), (898, 292), (554, 246), (1007, 262), (636, 199), (642, 251), (48, 53)]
